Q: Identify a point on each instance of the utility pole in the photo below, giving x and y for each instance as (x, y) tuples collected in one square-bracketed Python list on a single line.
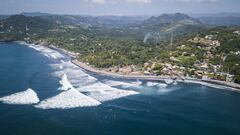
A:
[(171, 40), (26, 27)]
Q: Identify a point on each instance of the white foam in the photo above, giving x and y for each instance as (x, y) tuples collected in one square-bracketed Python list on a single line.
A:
[(97, 86), (111, 94), (25, 97), (76, 79), (103, 92), (164, 91), (75, 75), (47, 51), (68, 99), (175, 83), (208, 84), (66, 85), (123, 84), (168, 81), (160, 85)]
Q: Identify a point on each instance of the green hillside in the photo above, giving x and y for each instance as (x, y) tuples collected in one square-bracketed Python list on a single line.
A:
[(143, 45)]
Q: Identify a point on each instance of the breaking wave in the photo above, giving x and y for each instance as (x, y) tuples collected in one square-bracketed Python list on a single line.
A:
[(159, 85), (25, 97), (49, 53), (74, 82), (93, 88), (107, 95), (81, 89), (123, 84), (209, 84), (68, 99), (168, 81), (66, 85)]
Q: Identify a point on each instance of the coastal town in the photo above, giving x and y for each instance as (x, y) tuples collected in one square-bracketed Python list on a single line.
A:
[(201, 69), (119, 67), (195, 58)]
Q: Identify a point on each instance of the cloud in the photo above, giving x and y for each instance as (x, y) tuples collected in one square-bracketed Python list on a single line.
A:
[(98, 1)]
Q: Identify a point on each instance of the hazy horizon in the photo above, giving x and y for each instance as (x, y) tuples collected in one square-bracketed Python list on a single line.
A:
[(120, 7)]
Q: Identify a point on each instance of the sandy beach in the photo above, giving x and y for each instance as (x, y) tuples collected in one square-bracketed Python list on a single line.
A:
[(209, 82)]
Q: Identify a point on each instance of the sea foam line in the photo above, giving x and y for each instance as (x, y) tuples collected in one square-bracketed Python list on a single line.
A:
[(123, 84), (25, 97), (66, 85), (49, 53), (95, 89), (78, 82), (68, 99)]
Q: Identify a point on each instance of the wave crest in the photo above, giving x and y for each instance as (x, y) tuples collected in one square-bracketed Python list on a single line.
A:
[(25, 97)]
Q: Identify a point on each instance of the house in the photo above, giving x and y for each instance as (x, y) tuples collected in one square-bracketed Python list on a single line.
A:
[(236, 32), (229, 78)]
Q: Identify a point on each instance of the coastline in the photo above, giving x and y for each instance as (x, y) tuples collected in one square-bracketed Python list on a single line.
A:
[(209, 82)]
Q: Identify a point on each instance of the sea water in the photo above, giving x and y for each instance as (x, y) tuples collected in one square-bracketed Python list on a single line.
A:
[(42, 92)]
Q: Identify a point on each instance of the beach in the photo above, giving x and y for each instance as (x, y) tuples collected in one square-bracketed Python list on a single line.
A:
[(232, 86), (73, 56)]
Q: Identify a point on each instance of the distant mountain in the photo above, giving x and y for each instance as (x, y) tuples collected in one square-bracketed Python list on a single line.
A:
[(162, 27), (2, 17), (19, 23), (215, 15), (221, 21), (96, 22), (34, 14), (83, 21), (171, 18), (119, 21)]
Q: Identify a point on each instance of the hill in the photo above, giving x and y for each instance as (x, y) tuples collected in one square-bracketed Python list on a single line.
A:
[(34, 14), (221, 21), (160, 28), (140, 45)]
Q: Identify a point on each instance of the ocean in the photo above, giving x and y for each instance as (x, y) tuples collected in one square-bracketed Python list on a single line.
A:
[(43, 93)]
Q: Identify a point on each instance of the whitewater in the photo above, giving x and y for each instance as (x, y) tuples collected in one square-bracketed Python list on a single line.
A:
[(28, 96), (80, 89), (43, 92), (74, 82)]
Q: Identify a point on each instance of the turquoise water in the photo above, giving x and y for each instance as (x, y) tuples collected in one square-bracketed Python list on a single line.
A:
[(182, 109)]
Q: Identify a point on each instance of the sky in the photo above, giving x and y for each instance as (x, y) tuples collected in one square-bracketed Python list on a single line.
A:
[(119, 7)]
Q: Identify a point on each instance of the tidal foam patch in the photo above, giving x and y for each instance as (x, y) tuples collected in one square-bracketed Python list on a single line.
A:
[(83, 82), (123, 84), (159, 85), (47, 52), (26, 97), (98, 86), (68, 99), (168, 81), (66, 85), (103, 92), (75, 81), (111, 94)]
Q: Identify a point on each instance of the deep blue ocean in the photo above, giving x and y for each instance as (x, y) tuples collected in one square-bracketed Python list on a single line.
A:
[(182, 109)]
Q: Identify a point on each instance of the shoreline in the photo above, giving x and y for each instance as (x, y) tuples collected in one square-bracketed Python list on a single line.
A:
[(216, 83), (82, 65)]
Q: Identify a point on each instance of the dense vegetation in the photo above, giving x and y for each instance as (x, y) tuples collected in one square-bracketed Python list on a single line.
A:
[(104, 42)]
